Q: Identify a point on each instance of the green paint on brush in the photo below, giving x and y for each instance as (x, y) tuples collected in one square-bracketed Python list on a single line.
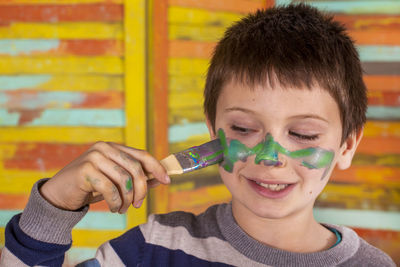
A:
[(267, 152), (128, 184)]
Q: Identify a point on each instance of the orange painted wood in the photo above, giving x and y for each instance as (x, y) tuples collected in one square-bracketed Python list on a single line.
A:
[(13, 202), (384, 98), (382, 83), (159, 98), (61, 13), (379, 145), (87, 48), (22, 99), (367, 174), (366, 22), (386, 240), (239, 6), (190, 49), (43, 156), (376, 37)]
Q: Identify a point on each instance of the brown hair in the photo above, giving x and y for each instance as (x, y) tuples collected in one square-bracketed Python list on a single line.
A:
[(295, 45)]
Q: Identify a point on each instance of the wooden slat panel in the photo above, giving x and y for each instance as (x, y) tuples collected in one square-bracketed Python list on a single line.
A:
[(374, 175), (239, 6), (382, 83), (190, 49), (79, 30), (62, 82), (384, 98), (58, 2), (54, 47), (61, 13), (365, 22), (59, 65), (34, 100), (71, 135)]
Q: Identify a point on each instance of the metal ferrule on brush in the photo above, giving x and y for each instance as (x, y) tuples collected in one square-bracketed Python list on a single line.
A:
[(200, 156)]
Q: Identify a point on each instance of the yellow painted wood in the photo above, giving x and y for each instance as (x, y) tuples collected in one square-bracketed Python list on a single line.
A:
[(71, 30), (21, 181), (195, 33), (190, 99), (2, 240), (72, 65), (57, 2), (72, 135), (135, 87), (179, 83), (93, 238), (185, 115), (383, 129), (203, 17), (187, 66), (80, 83)]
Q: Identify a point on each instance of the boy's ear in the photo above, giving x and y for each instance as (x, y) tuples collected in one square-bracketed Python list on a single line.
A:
[(210, 129), (348, 149)]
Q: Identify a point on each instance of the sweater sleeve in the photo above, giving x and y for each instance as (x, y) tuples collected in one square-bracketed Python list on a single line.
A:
[(41, 234)]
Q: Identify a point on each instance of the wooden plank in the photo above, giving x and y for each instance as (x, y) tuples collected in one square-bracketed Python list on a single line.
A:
[(382, 83), (354, 7), (190, 49), (135, 87), (383, 113), (21, 182), (54, 47), (388, 160), (57, 2), (198, 199), (59, 65), (195, 33), (200, 17), (381, 68), (65, 135), (372, 145), (365, 22), (376, 37), (13, 202), (382, 129), (62, 82), (384, 98), (373, 175), (158, 95), (66, 30), (62, 117), (187, 66), (105, 12), (238, 6), (39, 156), (386, 240), (33, 100)]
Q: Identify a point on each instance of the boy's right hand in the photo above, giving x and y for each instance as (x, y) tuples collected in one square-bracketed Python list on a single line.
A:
[(116, 172)]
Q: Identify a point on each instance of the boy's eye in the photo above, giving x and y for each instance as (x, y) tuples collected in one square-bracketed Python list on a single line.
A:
[(241, 130), (303, 136)]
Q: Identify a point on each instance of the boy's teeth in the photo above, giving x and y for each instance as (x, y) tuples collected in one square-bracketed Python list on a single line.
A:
[(273, 187)]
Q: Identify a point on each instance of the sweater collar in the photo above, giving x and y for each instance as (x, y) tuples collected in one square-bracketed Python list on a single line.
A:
[(265, 254)]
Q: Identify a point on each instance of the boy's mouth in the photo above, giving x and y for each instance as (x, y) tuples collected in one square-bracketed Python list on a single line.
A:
[(273, 187)]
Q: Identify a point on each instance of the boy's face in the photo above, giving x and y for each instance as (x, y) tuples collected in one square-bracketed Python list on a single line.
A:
[(292, 120)]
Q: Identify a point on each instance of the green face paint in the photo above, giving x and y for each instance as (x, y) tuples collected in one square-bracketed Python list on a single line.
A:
[(128, 184), (267, 152)]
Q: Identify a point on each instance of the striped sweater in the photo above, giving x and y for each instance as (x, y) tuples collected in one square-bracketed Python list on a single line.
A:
[(42, 234)]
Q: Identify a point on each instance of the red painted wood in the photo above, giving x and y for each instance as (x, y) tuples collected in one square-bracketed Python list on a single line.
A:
[(384, 98), (59, 13), (43, 156), (92, 47), (382, 83), (13, 202)]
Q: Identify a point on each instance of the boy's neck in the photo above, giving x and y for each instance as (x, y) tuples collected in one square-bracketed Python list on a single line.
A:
[(298, 232)]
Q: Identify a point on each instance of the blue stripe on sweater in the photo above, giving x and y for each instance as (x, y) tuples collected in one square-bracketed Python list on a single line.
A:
[(133, 250), (31, 251)]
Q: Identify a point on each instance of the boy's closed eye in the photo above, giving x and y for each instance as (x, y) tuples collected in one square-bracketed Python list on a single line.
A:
[(303, 137)]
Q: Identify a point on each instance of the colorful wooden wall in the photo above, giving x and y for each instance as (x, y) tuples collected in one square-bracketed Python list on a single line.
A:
[(72, 72), (76, 71), (365, 197)]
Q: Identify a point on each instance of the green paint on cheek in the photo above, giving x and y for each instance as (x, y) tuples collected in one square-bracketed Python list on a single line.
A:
[(267, 152), (128, 184)]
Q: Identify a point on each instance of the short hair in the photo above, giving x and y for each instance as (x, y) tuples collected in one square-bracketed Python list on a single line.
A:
[(295, 45)]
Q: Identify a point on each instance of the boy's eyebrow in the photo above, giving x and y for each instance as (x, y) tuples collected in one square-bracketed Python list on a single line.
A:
[(239, 109), (301, 116)]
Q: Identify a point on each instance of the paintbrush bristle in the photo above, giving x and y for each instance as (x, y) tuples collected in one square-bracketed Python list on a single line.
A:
[(198, 157)]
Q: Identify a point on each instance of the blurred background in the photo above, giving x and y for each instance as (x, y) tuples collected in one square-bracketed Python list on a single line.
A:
[(73, 72)]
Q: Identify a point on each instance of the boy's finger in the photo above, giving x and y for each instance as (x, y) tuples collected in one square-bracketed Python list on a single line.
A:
[(140, 187), (118, 175), (99, 183), (149, 163)]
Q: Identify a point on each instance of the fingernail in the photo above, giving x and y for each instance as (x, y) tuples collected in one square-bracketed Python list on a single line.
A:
[(167, 179), (139, 203)]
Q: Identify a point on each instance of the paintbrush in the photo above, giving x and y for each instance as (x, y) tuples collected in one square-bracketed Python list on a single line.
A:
[(194, 158), (191, 159)]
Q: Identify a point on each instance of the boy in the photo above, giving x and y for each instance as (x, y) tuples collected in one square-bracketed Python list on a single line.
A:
[(284, 92)]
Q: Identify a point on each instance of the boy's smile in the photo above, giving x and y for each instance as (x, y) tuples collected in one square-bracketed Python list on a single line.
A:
[(295, 120)]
